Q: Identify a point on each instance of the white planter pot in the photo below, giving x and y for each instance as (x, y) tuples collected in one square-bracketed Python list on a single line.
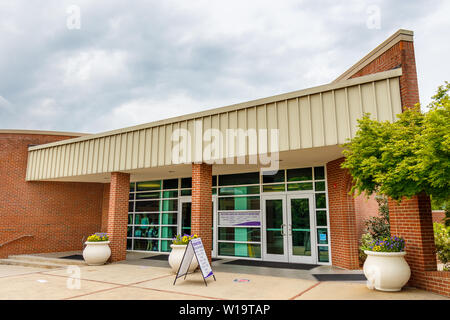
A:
[(96, 253), (386, 271), (176, 255)]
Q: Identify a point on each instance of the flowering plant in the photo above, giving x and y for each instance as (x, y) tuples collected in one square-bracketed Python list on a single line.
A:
[(392, 244), (180, 240), (96, 237)]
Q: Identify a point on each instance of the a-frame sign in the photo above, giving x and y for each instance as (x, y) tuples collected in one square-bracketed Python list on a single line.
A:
[(195, 248)]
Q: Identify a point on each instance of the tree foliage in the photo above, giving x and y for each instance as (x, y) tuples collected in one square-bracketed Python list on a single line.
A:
[(406, 157)]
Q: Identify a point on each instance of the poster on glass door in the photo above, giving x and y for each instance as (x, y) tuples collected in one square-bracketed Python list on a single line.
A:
[(233, 219)]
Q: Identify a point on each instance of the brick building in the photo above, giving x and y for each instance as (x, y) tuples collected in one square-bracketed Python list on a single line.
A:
[(256, 180)]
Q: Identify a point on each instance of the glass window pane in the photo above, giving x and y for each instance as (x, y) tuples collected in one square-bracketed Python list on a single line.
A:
[(214, 181), (319, 173), (274, 188), (300, 186), (323, 254), (214, 190), (131, 196), (271, 177), (132, 186), (170, 194), (320, 186), (148, 185), (321, 200), (274, 221), (168, 232), (165, 246), (147, 206), (129, 231), (170, 205), (239, 203), (240, 178), (170, 184), (302, 174), (169, 218), (321, 217), (186, 218), (146, 218), (322, 236), (130, 206), (148, 195), (240, 234), (146, 232), (240, 250), (130, 219), (186, 183), (229, 191), (300, 214), (186, 192), (129, 244), (145, 245)]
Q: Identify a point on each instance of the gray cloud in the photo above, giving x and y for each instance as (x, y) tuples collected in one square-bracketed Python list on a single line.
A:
[(142, 61)]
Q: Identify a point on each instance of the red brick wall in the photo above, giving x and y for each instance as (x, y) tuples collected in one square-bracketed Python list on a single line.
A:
[(438, 216), (411, 219), (57, 214), (201, 214), (119, 193), (365, 208), (399, 55), (343, 233)]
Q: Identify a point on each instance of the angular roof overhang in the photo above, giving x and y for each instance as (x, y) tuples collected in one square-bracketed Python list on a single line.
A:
[(306, 121)]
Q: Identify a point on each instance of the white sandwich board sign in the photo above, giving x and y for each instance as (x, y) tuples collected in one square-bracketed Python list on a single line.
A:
[(195, 249)]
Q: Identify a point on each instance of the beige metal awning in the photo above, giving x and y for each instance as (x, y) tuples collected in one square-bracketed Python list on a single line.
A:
[(311, 124)]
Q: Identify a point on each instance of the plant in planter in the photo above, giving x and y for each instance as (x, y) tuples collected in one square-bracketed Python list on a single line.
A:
[(179, 244), (377, 227), (97, 250), (385, 267)]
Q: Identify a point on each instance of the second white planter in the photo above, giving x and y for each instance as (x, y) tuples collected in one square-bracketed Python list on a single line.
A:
[(386, 271), (176, 255), (96, 253)]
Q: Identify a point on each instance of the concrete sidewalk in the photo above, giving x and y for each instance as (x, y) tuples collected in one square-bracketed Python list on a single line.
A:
[(144, 280)]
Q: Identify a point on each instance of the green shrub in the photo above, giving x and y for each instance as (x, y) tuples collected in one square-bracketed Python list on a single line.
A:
[(442, 242), (366, 240), (378, 226)]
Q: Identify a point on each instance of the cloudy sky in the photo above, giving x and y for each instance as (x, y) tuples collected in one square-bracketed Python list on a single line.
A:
[(130, 62)]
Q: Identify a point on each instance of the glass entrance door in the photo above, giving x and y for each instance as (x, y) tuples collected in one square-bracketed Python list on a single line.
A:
[(185, 219), (288, 228), (300, 221), (275, 228)]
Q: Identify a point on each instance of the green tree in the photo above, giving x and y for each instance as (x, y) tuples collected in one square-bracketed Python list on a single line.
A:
[(407, 157)]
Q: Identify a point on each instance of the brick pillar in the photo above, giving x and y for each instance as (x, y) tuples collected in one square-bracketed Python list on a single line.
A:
[(343, 231), (105, 207), (201, 215), (412, 220), (118, 215)]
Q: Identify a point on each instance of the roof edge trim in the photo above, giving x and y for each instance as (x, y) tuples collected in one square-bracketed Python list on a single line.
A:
[(43, 132)]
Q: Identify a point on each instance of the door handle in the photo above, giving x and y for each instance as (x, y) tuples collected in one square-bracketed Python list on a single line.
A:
[(282, 229)]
